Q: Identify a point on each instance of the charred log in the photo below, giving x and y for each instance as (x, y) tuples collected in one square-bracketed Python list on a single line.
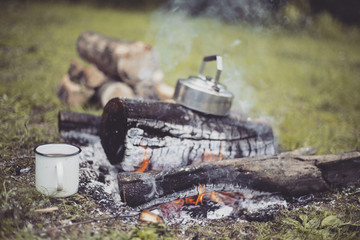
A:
[(288, 175), (80, 128), (166, 135)]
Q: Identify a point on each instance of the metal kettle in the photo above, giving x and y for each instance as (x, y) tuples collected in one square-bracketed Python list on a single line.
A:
[(204, 94)]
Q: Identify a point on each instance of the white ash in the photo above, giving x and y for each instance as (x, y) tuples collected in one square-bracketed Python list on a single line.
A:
[(99, 179), (222, 212)]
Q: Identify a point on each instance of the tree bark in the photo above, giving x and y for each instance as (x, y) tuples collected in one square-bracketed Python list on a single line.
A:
[(288, 175), (167, 135)]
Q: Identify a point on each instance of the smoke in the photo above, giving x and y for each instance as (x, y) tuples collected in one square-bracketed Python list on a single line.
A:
[(230, 11), (233, 77), (173, 35), (185, 31)]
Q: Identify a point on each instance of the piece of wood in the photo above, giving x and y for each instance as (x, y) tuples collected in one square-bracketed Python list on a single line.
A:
[(149, 217), (338, 169), (168, 135), (112, 89), (164, 91), (75, 70), (132, 62), (80, 128), (287, 175), (73, 94), (89, 76), (47, 210)]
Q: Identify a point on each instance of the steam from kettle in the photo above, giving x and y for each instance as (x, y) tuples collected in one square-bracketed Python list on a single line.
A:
[(174, 35)]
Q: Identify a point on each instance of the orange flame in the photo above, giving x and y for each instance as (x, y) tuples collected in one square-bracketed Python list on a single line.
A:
[(178, 201), (199, 198), (200, 195), (214, 198), (145, 163), (193, 200)]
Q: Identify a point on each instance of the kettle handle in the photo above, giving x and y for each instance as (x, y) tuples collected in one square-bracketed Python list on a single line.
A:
[(218, 66)]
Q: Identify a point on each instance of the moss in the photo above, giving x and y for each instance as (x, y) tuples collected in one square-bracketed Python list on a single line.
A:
[(329, 219)]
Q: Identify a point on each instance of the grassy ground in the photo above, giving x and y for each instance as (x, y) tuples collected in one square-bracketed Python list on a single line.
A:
[(305, 81)]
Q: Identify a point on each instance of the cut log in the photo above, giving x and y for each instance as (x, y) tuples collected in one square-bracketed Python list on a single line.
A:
[(167, 135), (164, 91), (112, 89), (288, 175), (89, 76), (133, 62), (73, 94), (75, 70)]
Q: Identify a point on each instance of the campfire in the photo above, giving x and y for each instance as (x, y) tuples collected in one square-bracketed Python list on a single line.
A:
[(213, 185), (172, 160), (200, 204)]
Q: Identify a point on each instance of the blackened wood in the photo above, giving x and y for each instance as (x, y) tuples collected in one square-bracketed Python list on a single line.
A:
[(288, 175), (78, 128), (170, 135), (338, 169)]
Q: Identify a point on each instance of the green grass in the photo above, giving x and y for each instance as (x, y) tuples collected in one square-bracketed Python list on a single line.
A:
[(306, 81)]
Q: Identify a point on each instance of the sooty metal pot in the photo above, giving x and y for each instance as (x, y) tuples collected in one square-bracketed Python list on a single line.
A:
[(204, 94)]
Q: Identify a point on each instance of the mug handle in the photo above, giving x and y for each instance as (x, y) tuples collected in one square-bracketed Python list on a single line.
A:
[(59, 176)]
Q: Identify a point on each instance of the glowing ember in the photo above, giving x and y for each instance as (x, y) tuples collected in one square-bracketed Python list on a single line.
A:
[(220, 152), (211, 157)]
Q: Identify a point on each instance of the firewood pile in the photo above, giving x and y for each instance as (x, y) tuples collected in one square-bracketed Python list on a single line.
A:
[(117, 68)]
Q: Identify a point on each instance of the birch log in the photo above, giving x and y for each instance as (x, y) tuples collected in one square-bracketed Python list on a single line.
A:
[(133, 62)]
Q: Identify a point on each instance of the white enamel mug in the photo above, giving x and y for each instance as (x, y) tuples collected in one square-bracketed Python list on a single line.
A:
[(57, 169)]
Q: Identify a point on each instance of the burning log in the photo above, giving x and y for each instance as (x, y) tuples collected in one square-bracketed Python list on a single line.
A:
[(288, 175), (153, 135), (143, 135)]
